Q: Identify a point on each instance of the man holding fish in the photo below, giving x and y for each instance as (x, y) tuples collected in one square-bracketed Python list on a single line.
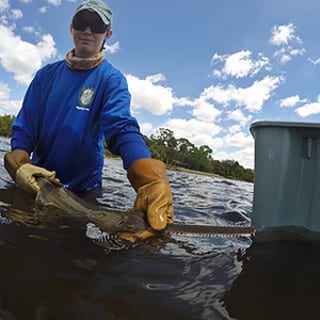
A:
[(70, 108)]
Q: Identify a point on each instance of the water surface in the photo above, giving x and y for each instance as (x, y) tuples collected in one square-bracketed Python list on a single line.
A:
[(64, 271)]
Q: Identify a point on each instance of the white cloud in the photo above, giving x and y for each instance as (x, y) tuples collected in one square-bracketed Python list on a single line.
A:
[(283, 34), (234, 129), (252, 98), (148, 94), (314, 61), (309, 108), (290, 102), (244, 149), (16, 14), (197, 132), (238, 116), (112, 48), (239, 139), (4, 4), (245, 156), (8, 13), (239, 64), (17, 61), (29, 29), (43, 9), (54, 2), (204, 111), (7, 106), (286, 54), (146, 128)]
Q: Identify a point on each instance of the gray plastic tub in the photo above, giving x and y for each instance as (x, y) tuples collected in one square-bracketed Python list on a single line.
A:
[(287, 175)]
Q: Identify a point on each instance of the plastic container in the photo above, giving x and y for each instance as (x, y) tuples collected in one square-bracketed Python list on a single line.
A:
[(287, 175)]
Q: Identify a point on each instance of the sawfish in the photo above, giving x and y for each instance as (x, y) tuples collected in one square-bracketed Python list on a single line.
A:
[(124, 224)]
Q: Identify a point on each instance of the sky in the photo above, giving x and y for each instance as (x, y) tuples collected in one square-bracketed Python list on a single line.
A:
[(205, 69)]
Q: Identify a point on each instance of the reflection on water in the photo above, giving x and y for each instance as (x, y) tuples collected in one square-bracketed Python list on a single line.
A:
[(279, 280), (57, 270)]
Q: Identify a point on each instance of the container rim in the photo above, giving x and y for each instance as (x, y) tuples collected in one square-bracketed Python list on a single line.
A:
[(290, 124)]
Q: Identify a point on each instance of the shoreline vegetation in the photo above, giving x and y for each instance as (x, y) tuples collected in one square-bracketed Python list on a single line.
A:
[(178, 154)]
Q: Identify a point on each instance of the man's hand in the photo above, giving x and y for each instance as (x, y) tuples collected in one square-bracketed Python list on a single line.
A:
[(149, 179), (26, 177), (18, 165)]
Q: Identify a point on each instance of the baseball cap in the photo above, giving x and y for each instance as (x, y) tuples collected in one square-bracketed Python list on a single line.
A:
[(98, 6)]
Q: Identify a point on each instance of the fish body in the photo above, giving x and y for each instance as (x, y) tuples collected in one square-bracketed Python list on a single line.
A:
[(56, 196), (120, 222)]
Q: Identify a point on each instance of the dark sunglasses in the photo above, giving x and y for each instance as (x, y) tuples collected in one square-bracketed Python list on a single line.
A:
[(80, 23)]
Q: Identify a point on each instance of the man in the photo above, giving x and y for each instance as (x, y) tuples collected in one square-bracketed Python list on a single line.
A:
[(70, 108)]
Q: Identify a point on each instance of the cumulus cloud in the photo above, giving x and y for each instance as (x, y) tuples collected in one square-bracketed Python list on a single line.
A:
[(147, 128), (252, 97), (16, 13), (16, 54), (314, 61), (286, 54), (309, 108), (7, 14), (112, 48), (245, 156), (204, 111), (239, 117), (4, 4), (235, 128), (43, 9), (197, 132), (54, 2), (239, 139), (150, 95), (284, 36), (192, 127), (239, 64), (236, 146), (29, 29), (7, 106), (290, 102)]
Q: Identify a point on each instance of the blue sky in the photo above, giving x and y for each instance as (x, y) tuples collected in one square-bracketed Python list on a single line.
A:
[(205, 69)]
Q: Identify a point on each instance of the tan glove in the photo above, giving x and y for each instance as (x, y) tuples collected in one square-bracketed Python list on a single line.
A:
[(18, 164), (26, 177), (148, 177)]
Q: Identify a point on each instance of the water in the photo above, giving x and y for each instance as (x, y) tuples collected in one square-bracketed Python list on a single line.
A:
[(63, 271)]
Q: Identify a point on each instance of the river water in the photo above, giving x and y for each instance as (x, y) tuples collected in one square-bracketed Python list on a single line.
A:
[(57, 272)]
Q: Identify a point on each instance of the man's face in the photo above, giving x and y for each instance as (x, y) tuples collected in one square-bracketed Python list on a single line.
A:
[(89, 33)]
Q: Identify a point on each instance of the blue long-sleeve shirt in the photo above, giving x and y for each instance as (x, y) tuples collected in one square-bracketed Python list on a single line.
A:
[(66, 116)]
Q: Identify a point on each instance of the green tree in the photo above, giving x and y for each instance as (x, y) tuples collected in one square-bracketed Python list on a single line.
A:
[(181, 152), (5, 125)]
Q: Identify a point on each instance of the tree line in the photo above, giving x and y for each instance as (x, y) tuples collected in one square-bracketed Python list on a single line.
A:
[(182, 153), (175, 152)]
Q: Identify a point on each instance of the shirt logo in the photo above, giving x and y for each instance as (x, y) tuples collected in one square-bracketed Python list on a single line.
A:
[(86, 97)]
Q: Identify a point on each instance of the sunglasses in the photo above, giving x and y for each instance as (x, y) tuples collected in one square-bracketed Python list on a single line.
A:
[(81, 23)]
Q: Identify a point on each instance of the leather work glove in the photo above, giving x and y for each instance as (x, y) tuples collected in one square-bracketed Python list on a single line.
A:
[(18, 164), (149, 179)]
